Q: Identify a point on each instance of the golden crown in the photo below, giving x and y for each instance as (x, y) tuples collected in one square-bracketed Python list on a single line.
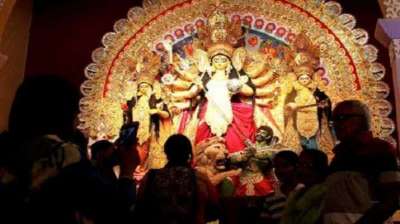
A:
[(305, 52), (148, 67), (220, 35), (304, 70), (220, 48)]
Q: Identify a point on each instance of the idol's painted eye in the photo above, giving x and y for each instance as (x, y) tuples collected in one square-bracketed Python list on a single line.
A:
[(304, 78), (220, 59)]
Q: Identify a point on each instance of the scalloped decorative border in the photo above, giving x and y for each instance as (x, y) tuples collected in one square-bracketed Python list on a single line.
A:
[(328, 15)]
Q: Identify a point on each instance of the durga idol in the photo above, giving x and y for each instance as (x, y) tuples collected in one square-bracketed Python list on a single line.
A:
[(224, 85)]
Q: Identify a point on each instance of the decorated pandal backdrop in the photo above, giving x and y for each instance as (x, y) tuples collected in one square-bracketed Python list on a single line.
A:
[(223, 73)]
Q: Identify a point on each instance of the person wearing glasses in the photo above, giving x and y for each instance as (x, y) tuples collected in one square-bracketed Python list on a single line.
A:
[(364, 181)]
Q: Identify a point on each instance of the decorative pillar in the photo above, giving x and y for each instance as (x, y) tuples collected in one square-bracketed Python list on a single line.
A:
[(390, 8), (394, 53), (15, 22), (3, 60), (6, 7), (387, 32), (4, 11)]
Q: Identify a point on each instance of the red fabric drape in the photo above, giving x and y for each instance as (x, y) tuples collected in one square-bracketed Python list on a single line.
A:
[(262, 188), (187, 114), (241, 128)]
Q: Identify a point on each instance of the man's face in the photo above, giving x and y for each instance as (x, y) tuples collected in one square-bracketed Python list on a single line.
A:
[(347, 122), (306, 172)]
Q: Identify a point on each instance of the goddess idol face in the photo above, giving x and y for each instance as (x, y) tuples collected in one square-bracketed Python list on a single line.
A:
[(144, 89), (220, 62), (304, 79)]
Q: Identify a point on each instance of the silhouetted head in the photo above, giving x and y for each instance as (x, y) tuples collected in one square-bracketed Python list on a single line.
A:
[(8, 154), (99, 147), (285, 164), (44, 105), (104, 154), (82, 141), (350, 118), (312, 168), (178, 149)]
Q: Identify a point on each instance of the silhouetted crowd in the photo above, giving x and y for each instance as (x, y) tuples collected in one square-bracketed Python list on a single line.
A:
[(47, 176)]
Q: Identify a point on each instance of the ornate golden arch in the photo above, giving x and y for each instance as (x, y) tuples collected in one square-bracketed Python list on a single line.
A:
[(349, 61)]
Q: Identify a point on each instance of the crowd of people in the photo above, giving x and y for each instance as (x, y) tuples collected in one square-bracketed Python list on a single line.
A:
[(46, 175)]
